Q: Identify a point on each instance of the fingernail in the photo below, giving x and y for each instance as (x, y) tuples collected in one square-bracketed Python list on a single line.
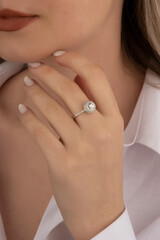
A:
[(35, 64), (58, 53), (22, 108), (28, 81)]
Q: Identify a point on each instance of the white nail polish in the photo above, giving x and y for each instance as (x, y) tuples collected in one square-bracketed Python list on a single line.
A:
[(35, 64), (59, 53), (22, 108), (28, 81)]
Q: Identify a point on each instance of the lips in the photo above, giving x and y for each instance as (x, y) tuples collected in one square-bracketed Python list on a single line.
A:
[(11, 20), (10, 24), (6, 12)]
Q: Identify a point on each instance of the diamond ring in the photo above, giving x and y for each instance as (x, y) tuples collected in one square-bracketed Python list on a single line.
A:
[(88, 107)]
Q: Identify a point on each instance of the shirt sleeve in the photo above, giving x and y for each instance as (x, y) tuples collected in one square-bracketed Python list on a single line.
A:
[(121, 228)]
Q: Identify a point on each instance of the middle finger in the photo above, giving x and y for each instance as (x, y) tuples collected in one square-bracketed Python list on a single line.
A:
[(68, 90)]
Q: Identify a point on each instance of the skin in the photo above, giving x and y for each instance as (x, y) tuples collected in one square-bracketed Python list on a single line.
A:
[(85, 170), (96, 41)]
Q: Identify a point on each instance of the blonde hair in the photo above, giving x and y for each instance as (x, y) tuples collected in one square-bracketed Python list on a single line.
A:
[(140, 34)]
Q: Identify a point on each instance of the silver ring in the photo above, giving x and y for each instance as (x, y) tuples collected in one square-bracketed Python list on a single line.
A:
[(88, 107)]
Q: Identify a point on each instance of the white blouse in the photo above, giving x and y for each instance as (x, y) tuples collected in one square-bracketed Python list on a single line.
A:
[(141, 173)]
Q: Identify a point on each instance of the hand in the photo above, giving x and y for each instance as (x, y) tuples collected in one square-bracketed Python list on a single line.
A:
[(85, 166)]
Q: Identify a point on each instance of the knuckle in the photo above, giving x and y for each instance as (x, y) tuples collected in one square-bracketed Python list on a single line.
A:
[(38, 132), (104, 136), (33, 91), (45, 71), (27, 119), (73, 167), (31, 125), (97, 69), (119, 121), (94, 69), (51, 108), (35, 127)]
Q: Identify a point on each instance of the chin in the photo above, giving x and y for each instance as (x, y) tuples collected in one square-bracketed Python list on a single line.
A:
[(22, 57)]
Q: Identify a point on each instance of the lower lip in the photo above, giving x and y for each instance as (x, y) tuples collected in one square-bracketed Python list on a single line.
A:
[(9, 24)]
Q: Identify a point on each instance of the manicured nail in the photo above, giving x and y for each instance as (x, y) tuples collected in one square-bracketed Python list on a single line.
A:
[(22, 108), (58, 53), (28, 81), (35, 64)]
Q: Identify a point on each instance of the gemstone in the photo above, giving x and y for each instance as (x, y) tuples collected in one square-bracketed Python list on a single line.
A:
[(89, 106)]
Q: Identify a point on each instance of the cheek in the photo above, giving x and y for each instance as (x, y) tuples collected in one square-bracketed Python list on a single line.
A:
[(73, 22), (64, 24), (70, 23)]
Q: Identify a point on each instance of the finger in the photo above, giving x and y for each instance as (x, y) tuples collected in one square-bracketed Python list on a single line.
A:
[(82, 84), (68, 90), (51, 147), (53, 112), (95, 79)]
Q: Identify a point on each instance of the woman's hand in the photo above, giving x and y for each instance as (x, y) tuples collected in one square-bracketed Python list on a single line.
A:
[(85, 166)]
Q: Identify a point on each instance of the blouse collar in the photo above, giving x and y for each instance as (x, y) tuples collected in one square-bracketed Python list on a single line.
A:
[(144, 125)]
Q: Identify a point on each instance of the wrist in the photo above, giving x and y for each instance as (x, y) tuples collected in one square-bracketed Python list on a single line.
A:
[(85, 230)]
